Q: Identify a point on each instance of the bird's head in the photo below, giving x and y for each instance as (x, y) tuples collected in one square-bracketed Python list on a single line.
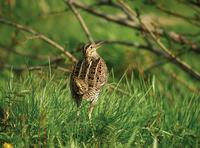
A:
[(89, 50)]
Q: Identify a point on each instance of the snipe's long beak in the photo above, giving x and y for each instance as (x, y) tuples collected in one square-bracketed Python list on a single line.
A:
[(99, 44)]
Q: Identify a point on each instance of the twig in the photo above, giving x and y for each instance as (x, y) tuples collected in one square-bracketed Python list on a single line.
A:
[(34, 68), (114, 5), (155, 65), (167, 53), (128, 11), (197, 3), (126, 22), (191, 20), (144, 47), (52, 13), (107, 17), (182, 40), (81, 21), (184, 66), (40, 36), (20, 69), (63, 69), (113, 87), (134, 44), (161, 63), (182, 82), (125, 43), (193, 7), (14, 51)]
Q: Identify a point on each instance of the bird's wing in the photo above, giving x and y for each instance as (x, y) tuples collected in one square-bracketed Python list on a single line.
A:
[(81, 85), (77, 82), (102, 73)]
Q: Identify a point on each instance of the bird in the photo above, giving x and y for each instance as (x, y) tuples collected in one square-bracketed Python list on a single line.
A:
[(88, 77)]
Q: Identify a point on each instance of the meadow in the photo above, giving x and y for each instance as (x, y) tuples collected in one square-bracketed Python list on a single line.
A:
[(41, 113)]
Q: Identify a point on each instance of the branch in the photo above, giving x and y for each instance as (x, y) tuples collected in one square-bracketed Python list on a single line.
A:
[(195, 3), (132, 15), (182, 40), (191, 20), (126, 22), (184, 66), (52, 63), (14, 51), (107, 17), (136, 45), (161, 63), (182, 82), (40, 36), (167, 53), (116, 88), (81, 21), (34, 68)]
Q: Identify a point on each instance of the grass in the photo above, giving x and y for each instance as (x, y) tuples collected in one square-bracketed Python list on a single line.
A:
[(41, 113)]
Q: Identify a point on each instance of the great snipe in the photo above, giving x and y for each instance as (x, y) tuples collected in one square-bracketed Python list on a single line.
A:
[(88, 76)]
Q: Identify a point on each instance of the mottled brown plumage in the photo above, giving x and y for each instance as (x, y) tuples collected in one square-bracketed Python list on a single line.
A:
[(88, 76)]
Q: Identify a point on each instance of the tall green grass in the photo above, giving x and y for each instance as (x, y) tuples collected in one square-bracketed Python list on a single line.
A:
[(42, 114)]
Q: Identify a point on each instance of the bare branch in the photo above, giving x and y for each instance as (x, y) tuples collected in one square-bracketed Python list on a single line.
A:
[(112, 18), (136, 45), (128, 23), (128, 11), (182, 40), (184, 66), (116, 88), (191, 20), (182, 82), (81, 21), (52, 63), (167, 53), (195, 3), (34, 68), (14, 51), (40, 36)]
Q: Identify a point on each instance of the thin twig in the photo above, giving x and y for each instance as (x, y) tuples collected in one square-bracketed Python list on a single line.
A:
[(81, 21), (116, 88), (182, 40), (53, 63), (112, 18), (34, 68), (197, 3), (191, 20), (144, 47), (193, 7), (40, 36), (167, 53), (135, 45), (161, 63), (128, 11), (126, 22), (182, 82), (14, 51), (184, 66)]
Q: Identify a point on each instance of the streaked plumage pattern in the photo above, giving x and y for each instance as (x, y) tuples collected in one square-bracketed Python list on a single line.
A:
[(88, 76)]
